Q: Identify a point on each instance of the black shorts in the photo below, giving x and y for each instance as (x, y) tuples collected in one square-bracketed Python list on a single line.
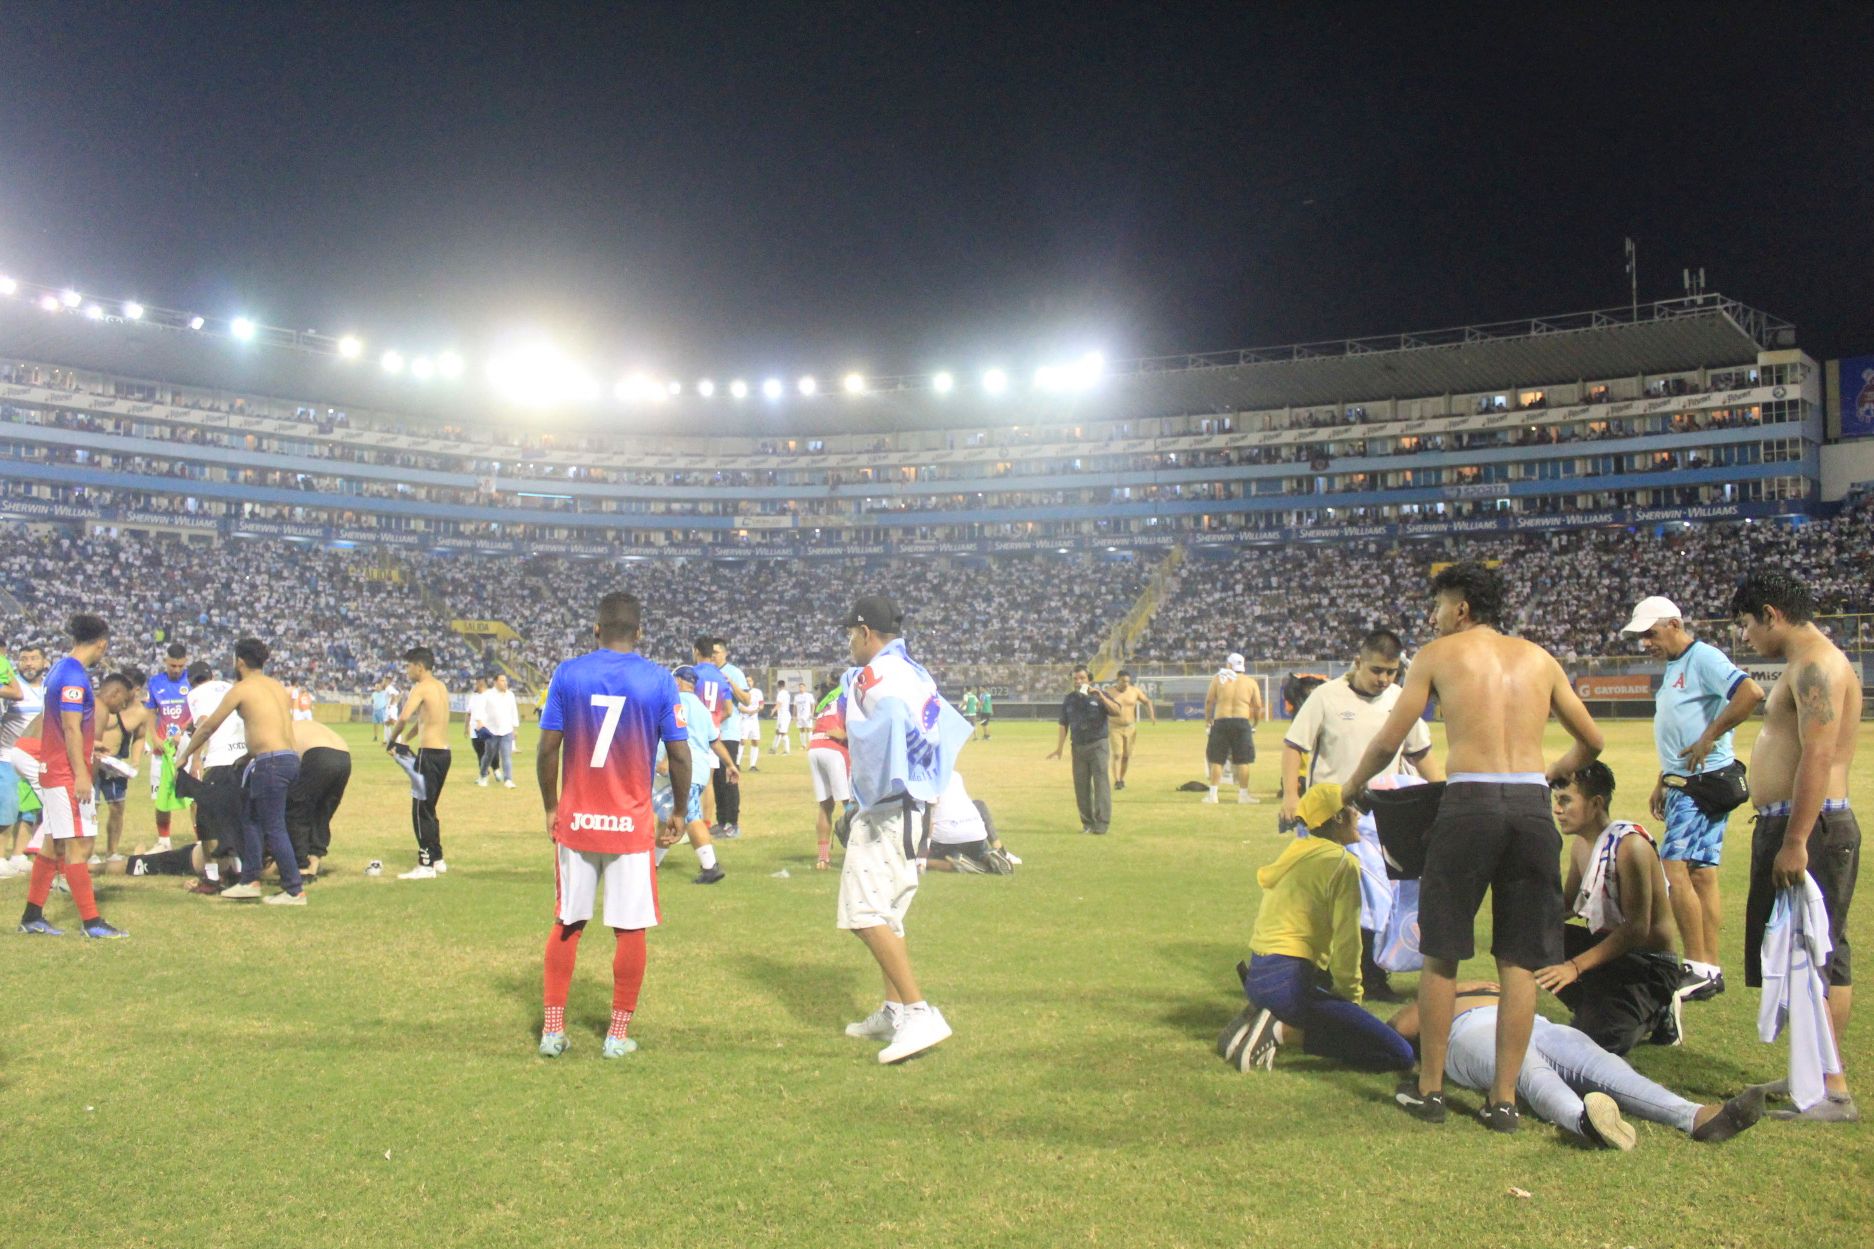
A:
[(112, 787), (1622, 1003), (1834, 862), (1500, 837), (1231, 741), (959, 849), (218, 810)]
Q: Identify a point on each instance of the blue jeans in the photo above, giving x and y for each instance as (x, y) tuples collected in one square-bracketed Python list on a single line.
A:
[(501, 749), (1562, 1067), (1333, 1027), (263, 817)]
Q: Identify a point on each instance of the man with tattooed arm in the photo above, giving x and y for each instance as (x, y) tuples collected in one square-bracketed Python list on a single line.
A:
[(1799, 786)]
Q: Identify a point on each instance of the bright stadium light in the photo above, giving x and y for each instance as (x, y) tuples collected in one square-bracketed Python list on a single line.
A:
[(772, 388), (995, 381), (808, 386), (1047, 377), (675, 389), (350, 347), (739, 388), (196, 323), (133, 311), (392, 362), (8, 286), (95, 312), (241, 328), (71, 299), (449, 365), (49, 302), (854, 384), (422, 368), (943, 383), (706, 388)]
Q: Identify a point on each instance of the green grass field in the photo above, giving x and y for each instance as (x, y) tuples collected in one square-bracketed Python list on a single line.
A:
[(362, 1072)]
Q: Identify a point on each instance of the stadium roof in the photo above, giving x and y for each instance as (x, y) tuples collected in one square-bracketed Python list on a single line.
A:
[(1666, 337)]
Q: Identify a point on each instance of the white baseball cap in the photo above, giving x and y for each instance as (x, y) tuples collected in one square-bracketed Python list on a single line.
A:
[(1650, 612), (1235, 661)]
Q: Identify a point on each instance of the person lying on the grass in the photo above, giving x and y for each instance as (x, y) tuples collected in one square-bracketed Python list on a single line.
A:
[(189, 860), (1622, 974), (1310, 918), (1571, 1082), (962, 834)]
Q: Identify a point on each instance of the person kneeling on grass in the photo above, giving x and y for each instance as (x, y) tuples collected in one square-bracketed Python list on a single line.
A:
[(1310, 917), (1568, 1080), (962, 835)]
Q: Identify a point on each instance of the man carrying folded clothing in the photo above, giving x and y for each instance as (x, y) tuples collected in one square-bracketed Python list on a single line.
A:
[(1621, 977), (1703, 696)]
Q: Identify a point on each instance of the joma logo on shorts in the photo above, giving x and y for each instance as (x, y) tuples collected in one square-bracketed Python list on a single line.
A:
[(584, 821)]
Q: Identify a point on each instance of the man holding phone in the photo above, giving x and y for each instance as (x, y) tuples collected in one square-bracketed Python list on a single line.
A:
[(1083, 713)]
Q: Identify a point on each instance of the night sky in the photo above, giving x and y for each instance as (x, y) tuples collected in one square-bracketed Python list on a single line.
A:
[(899, 186)]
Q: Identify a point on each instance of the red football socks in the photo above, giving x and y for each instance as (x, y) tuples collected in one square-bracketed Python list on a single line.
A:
[(78, 876), (562, 953), (627, 976), (39, 888)]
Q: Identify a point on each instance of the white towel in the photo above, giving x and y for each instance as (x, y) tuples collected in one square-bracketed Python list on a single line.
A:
[(1795, 944)]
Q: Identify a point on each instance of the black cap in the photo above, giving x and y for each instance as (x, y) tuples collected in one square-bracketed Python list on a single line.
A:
[(876, 613)]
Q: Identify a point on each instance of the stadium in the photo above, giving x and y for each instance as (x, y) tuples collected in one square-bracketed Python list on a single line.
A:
[(938, 572)]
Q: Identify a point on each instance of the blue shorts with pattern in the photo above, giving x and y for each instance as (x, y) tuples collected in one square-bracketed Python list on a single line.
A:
[(1691, 836)]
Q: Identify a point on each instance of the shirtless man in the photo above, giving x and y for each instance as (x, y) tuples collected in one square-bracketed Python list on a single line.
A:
[(425, 715), (1493, 829), (1799, 785), (267, 714), (1232, 706), (121, 735), (1125, 723)]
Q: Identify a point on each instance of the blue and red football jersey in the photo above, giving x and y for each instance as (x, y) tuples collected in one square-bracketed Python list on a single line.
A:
[(613, 709), (712, 690), (169, 699), (68, 688)]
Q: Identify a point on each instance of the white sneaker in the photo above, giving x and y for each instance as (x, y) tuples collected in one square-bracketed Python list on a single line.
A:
[(7, 870), (877, 1026), (507, 784), (917, 1032), (95, 861), (284, 899), (1210, 799), (419, 872), (162, 843), (482, 781), (1244, 796), (21, 863), (442, 869)]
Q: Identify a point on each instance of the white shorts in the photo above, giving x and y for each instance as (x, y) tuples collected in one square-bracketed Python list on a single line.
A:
[(156, 772), (830, 776), (877, 880), (783, 724), (65, 817), (630, 887)]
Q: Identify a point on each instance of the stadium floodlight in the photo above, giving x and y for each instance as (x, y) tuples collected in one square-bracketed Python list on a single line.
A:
[(392, 362), (854, 383), (350, 347), (943, 383), (49, 302), (739, 388), (422, 368), (95, 312), (772, 388), (706, 388), (71, 299), (241, 328), (8, 286), (133, 311), (449, 365), (1047, 377), (808, 386), (675, 388), (196, 323), (995, 381)]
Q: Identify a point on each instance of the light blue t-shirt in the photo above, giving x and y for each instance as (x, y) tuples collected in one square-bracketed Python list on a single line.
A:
[(702, 727), (1694, 690), (732, 723)]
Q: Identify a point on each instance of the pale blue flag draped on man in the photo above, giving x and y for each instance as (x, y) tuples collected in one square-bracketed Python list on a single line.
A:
[(904, 739)]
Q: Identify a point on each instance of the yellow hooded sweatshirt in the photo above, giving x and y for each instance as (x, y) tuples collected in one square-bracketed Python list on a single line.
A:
[(1311, 909)]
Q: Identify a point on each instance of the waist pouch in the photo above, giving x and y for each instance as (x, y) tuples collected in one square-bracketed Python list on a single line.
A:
[(1717, 792)]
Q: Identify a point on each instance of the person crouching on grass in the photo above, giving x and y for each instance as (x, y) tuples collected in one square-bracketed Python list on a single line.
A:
[(1310, 912)]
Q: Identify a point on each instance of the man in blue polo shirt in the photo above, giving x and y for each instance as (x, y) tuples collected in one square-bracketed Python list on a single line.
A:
[(1703, 696)]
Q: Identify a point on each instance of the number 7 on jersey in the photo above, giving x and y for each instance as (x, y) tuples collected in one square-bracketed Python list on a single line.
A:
[(614, 705)]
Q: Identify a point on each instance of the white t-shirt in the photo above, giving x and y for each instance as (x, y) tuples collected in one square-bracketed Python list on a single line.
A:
[(803, 706), (500, 713), (476, 706), (230, 740), (955, 821), (756, 701), (18, 715), (783, 706), (1336, 725)]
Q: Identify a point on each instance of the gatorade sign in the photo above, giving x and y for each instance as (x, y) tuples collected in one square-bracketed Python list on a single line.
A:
[(1632, 685)]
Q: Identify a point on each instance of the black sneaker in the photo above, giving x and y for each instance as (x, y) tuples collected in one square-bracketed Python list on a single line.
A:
[(1670, 1029), (1741, 1112), (1500, 1117), (710, 877), (1379, 988), (728, 832), (1425, 1107), (1708, 990), (1118, 785), (1231, 1039)]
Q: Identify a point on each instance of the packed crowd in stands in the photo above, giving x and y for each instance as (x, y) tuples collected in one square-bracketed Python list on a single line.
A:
[(337, 619), (1564, 589)]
